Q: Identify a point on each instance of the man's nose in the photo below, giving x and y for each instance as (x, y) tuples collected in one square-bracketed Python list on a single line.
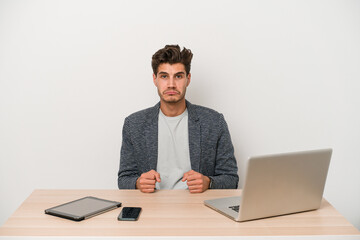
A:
[(171, 82)]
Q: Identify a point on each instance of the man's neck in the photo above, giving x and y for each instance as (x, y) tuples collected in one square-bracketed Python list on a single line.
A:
[(173, 109)]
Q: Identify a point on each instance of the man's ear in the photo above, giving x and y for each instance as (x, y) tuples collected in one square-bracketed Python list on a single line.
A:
[(188, 79), (154, 79)]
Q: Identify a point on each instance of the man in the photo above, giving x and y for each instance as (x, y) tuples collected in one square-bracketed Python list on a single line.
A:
[(175, 144)]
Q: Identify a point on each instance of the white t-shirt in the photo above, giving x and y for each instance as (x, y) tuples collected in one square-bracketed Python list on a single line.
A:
[(173, 151)]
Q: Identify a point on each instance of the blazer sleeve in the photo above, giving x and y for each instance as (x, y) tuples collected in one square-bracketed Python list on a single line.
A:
[(128, 171), (226, 170)]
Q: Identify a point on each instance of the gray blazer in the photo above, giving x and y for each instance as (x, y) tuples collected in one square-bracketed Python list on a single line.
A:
[(211, 150)]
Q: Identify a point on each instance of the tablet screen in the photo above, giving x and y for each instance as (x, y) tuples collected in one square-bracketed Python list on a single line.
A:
[(84, 207)]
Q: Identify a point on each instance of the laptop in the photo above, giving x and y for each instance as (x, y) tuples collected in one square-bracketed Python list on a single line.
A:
[(278, 184)]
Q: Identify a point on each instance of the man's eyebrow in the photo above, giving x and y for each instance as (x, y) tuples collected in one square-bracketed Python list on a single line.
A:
[(179, 73), (163, 73), (174, 74)]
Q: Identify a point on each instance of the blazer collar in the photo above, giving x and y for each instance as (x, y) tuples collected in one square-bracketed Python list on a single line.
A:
[(194, 137), (192, 112), (154, 114)]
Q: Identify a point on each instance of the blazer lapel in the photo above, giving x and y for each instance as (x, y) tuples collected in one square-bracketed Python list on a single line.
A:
[(194, 138), (151, 138)]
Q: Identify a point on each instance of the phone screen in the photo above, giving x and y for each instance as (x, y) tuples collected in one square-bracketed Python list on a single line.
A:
[(129, 214)]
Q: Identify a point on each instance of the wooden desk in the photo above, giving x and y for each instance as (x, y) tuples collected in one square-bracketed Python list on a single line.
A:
[(165, 213)]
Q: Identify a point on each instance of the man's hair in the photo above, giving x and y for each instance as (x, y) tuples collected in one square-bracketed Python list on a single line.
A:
[(171, 54)]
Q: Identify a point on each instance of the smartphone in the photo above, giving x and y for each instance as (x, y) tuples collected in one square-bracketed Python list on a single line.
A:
[(129, 214)]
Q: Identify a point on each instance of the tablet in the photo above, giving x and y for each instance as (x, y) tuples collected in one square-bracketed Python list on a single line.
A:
[(83, 208)]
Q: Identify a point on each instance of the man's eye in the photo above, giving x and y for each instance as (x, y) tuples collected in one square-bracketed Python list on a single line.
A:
[(179, 76), (163, 76)]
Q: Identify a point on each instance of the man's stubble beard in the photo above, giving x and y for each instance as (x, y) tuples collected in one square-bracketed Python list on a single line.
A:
[(182, 96)]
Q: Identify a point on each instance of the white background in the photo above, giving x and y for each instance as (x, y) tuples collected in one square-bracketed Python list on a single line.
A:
[(285, 74)]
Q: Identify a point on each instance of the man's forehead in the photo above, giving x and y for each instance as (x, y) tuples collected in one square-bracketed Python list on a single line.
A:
[(171, 68)]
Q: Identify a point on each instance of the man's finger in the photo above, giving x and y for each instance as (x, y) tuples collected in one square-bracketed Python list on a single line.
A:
[(196, 191), (147, 190), (184, 177), (197, 186), (194, 176), (147, 181), (187, 174), (154, 175), (198, 182), (157, 176)]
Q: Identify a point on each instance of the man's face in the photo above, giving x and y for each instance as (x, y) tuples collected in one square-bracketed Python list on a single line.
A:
[(171, 82)]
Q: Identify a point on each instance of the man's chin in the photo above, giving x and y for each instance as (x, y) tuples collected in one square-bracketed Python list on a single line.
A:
[(172, 100)]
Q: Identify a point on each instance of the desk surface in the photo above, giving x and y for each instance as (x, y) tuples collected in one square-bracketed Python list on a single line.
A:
[(165, 213)]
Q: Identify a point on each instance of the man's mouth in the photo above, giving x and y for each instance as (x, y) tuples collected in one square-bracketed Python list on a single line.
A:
[(171, 92)]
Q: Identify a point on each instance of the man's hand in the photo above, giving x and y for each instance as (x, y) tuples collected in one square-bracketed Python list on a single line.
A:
[(196, 182), (146, 182)]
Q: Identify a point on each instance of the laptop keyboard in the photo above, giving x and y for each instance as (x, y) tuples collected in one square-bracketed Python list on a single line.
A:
[(235, 208)]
